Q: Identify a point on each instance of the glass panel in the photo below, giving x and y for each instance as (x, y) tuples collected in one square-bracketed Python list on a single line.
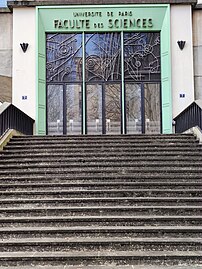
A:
[(74, 109), (152, 108), (55, 109), (133, 108), (103, 56), (94, 109), (64, 57), (112, 109), (142, 56)]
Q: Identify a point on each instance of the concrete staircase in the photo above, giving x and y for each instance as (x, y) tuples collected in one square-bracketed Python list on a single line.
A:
[(101, 202)]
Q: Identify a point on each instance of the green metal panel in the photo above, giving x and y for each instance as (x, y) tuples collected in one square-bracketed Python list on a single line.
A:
[(166, 75), (41, 79), (110, 18), (103, 18)]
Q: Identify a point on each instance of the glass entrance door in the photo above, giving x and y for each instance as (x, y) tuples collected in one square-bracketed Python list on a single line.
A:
[(152, 108), (103, 108), (143, 108), (73, 109)]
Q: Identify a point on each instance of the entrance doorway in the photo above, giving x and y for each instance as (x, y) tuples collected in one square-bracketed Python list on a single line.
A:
[(103, 108), (103, 83)]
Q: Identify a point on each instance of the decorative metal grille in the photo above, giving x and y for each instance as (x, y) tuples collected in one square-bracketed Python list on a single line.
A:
[(64, 57), (142, 56), (103, 57)]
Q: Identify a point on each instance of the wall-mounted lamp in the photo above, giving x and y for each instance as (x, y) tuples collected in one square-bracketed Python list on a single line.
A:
[(24, 46), (181, 44)]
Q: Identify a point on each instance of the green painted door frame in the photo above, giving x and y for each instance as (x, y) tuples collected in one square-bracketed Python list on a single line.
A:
[(109, 18)]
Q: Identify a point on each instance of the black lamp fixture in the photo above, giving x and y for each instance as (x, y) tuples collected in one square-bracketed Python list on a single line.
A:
[(181, 44), (24, 46)]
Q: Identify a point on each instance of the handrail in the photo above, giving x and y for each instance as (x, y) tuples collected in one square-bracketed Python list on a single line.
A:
[(12, 117), (190, 117)]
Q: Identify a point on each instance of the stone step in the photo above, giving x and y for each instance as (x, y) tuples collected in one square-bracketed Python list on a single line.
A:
[(128, 141), (101, 171), (96, 185), (127, 232), (12, 160), (100, 221), (104, 146), (106, 266), (103, 137), (63, 178), (100, 257), (116, 201), (175, 153), (100, 164), (103, 193), (101, 244), (100, 210)]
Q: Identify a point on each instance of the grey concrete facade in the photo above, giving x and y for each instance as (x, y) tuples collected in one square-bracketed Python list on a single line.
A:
[(197, 43), (5, 55)]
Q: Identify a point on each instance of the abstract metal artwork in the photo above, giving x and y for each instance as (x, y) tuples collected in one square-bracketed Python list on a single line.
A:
[(63, 57), (142, 56), (103, 56)]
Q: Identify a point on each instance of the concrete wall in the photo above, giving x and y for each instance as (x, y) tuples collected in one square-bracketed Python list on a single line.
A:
[(182, 60), (5, 55), (24, 64), (197, 44)]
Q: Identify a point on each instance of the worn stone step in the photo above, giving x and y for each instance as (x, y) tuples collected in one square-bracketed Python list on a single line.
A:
[(105, 146), (102, 170), (103, 137), (100, 210), (59, 153), (192, 232), (100, 221), (96, 185), (115, 146), (105, 266), (128, 141), (116, 201), (108, 164), (99, 159), (63, 178), (101, 244), (104, 193), (100, 257)]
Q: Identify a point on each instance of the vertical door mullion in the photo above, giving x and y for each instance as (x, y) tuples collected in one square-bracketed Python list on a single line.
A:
[(143, 107), (46, 109), (161, 127), (84, 129), (64, 109), (123, 110), (103, 109)]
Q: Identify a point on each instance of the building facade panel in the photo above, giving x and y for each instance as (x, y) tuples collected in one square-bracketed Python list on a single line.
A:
[(24, 63), (182, 60)]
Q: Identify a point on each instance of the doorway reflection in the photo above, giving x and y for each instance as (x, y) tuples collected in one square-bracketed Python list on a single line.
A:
[(152, 108), (94, 108), (133, 108), (73, 109)]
